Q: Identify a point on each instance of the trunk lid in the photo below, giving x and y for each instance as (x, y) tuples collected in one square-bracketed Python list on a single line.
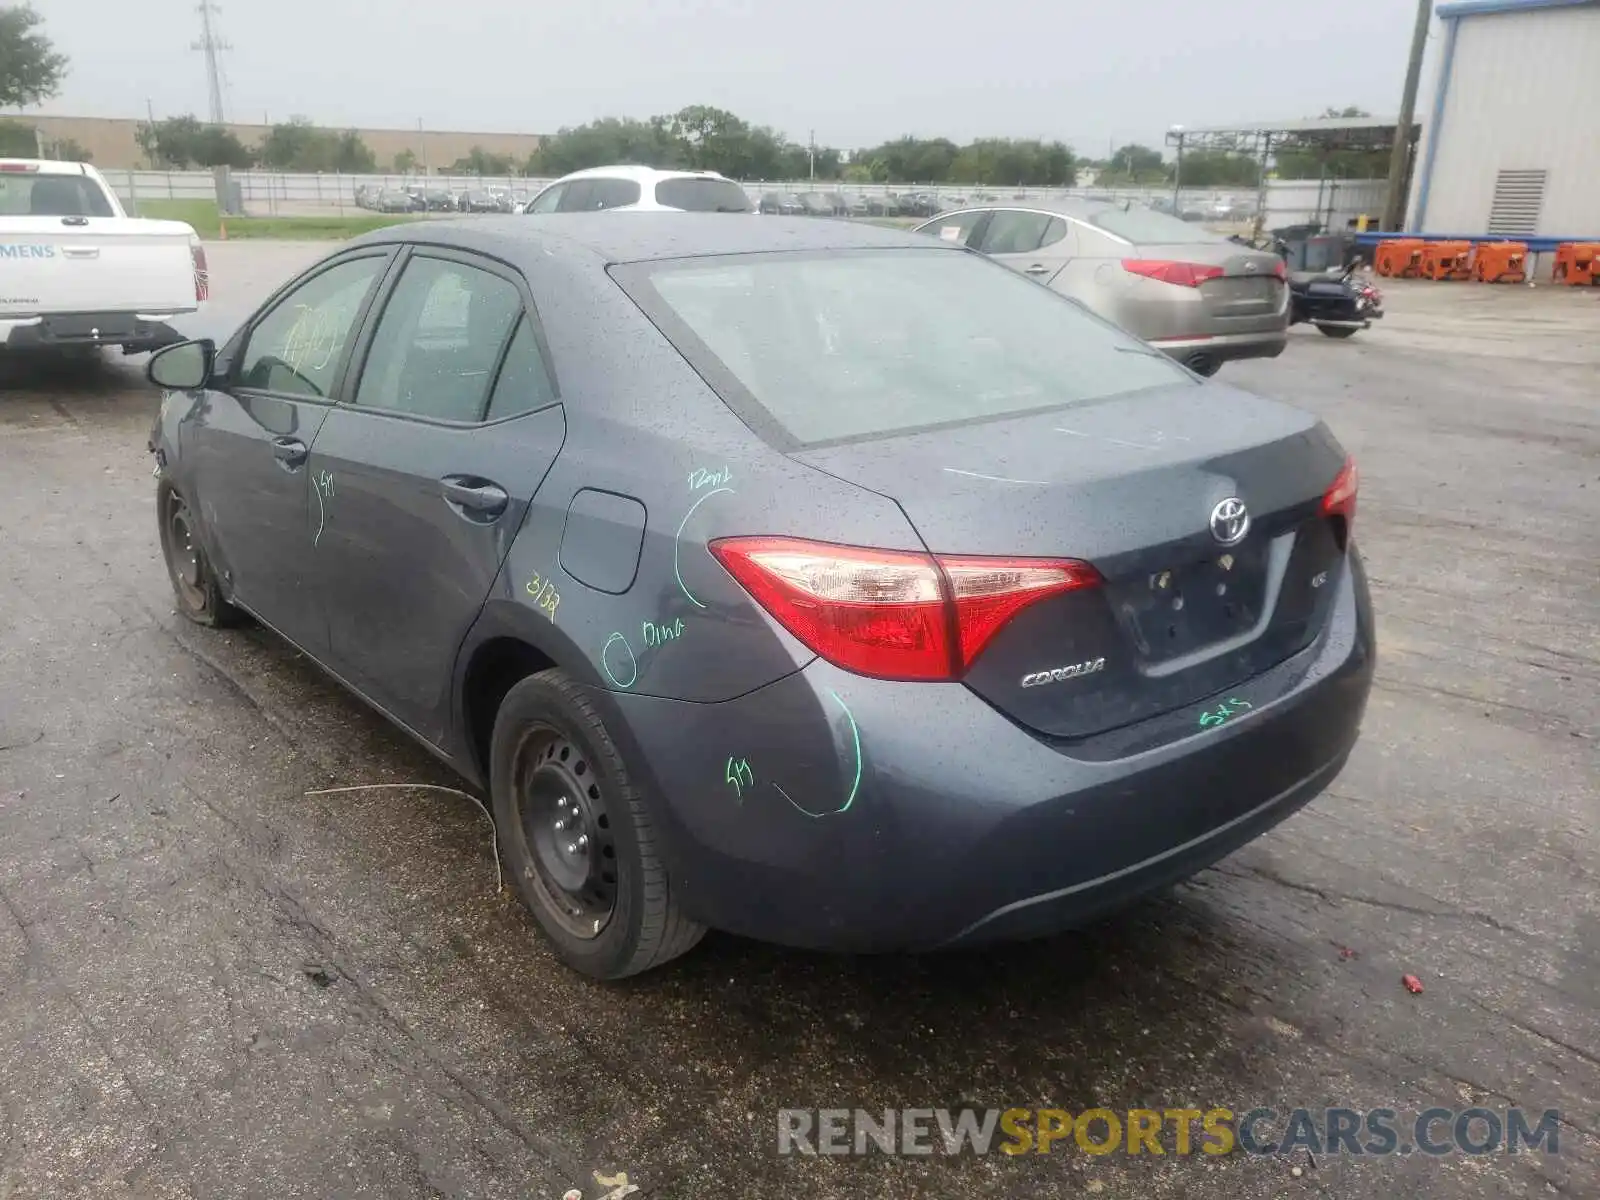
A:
[(1249, 286), (95, 265), (1130, 484)]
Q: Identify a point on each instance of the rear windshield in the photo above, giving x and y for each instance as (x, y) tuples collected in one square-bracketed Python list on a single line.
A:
[(1145, 225), (703, 195), (30, 195), (832, 347)]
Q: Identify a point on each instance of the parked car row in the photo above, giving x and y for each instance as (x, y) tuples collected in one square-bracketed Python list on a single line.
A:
[(853, 204), (421, 197)]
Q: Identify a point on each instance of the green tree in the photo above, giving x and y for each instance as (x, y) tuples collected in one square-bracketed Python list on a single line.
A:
[(18, 140), (405, 162), (1134, 164), (180, 142), (479, 161), (170, 143), (608, 140), (298, 145), (30, 68), (1003, 162), (1322, 158), (70, 150)]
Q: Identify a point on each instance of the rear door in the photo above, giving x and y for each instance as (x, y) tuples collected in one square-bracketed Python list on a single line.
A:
[(1034, 243), (245, 449), (423, 478)]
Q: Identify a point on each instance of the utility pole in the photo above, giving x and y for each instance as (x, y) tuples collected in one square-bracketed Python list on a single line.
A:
[(422, 141), (811, 153), (1394, 209), (212, 45)]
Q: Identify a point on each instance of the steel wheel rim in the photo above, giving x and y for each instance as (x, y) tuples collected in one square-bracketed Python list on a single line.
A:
[(566, 831), (183, 552)]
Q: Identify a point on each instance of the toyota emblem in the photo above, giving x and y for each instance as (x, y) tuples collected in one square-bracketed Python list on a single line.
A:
[(1230, 521)]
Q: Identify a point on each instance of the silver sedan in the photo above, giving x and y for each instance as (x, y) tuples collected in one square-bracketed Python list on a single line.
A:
[(1194, 294)]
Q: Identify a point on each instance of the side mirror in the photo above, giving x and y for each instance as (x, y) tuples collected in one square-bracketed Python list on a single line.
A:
[(183, 367)]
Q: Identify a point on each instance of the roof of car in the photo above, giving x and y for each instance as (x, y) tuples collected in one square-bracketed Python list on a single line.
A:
[(637, 172), (645, 236)]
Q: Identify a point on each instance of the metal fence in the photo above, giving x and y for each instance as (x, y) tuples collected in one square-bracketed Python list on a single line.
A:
[(268, 193)]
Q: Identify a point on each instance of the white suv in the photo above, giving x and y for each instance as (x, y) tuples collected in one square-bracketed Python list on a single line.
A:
[(641, 189)]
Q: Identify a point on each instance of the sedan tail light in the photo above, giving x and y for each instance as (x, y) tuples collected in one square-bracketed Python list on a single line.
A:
[(1340, 498), (1165, 270), (892, 614)]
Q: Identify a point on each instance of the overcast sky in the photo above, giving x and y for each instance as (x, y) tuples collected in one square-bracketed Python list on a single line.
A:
[(856, 71)]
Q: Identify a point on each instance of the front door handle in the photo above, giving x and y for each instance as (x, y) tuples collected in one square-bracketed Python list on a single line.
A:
[(477, 496), (1037, 269), (291, 452)]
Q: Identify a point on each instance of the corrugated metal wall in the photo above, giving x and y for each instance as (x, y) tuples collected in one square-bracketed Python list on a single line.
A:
[(1333, 202), (1524, 95)]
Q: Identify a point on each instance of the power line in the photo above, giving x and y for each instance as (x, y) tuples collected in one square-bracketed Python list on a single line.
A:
[(212, 45)]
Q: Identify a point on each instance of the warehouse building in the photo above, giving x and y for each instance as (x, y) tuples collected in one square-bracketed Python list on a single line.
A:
[(1511, 136)]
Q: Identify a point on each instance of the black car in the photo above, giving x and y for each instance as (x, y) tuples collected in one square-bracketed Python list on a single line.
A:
[(816, 581)]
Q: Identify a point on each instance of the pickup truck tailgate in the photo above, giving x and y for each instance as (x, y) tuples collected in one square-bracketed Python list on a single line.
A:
[(96, 265)]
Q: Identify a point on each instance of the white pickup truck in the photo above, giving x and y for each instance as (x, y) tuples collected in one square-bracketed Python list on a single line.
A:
[(76, 270)]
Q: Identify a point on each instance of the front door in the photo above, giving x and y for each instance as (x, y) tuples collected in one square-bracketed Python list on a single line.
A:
[(248, 445), (426, 476)]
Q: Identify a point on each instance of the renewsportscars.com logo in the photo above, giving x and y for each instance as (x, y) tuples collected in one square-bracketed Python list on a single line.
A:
[(1376, 1132)]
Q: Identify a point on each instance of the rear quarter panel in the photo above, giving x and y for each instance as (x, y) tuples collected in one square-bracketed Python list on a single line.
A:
[(642, 425)]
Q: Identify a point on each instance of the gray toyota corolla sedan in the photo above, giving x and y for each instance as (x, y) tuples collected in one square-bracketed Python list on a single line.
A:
[(817, 582)]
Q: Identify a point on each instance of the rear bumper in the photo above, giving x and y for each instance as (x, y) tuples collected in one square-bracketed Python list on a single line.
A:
[(1226, 347), (135, 332), (829, 811)]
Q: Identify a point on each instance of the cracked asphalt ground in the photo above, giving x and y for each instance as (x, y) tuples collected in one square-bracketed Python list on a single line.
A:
[(214, 984)]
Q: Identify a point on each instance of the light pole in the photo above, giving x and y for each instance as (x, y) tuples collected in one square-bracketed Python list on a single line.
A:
[(422, 142), (811, 153), (1177, 169)]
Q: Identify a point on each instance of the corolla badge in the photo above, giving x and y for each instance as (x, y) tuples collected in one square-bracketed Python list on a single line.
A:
[(1058, 674), (1230, 521)]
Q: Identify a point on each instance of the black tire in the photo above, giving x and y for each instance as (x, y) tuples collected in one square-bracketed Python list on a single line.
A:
[(606, 907), (1337, 331), (194, 583)]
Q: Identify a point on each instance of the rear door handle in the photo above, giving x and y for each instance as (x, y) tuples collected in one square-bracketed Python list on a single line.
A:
[(1037, 269), (291, 452), (80, 251), (477, 496)]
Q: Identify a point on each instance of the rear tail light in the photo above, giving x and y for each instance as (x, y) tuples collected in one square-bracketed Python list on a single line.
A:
[(892, 614), (1280, 270), (1340, 498), (1183, 274), (18, 167), (202, 278)]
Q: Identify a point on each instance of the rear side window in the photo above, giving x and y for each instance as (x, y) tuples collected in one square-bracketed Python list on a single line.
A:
[(24, 194), (437, 344), (835, 347), (703, 195), (1137, 224), (591, 195), (524, 382)]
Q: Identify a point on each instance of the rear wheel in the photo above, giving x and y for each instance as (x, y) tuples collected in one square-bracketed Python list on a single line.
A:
[(577, 835), (194, 584), (1337, 331)]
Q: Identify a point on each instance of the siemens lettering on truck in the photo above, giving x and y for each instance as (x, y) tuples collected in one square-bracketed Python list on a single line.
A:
[(76, 270)]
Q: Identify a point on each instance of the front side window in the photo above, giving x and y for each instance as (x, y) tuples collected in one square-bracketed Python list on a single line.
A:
[(439, 340), (955, 227), (549, 200), (296, 348), (831, 347)]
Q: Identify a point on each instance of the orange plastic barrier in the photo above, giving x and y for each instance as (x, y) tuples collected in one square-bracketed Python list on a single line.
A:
[(1446, 260), (1577, 264), (1500, 262), (1398, 258)]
